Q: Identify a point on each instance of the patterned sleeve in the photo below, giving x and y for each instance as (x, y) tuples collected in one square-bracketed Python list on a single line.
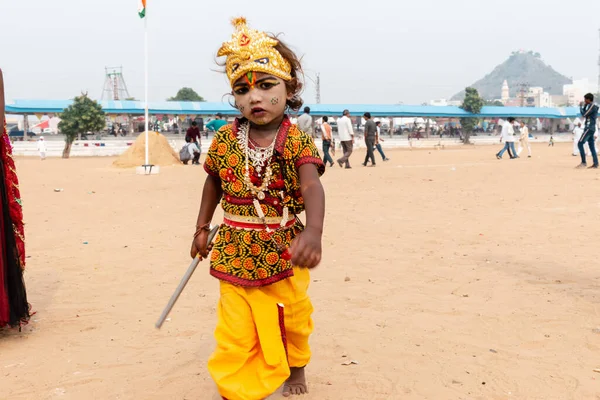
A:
[(212, 164), (305, 152)]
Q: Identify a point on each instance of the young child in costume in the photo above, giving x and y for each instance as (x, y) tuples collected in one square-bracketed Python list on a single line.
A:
[(265, 172)]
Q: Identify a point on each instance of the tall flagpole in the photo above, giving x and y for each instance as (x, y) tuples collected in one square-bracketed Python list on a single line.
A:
[(146, 82)]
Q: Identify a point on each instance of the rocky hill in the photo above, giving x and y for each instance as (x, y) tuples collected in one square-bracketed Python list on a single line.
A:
[(521, 67)]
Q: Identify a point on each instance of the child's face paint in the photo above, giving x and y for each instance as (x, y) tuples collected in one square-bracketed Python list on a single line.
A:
[(259, 97), (251, 79)]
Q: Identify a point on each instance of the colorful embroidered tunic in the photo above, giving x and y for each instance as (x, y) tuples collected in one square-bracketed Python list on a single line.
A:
[(243, 253)]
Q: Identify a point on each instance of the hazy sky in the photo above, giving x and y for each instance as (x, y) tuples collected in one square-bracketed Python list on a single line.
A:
[(373, 52)]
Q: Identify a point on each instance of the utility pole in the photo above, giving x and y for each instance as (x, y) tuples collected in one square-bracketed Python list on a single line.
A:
[(318, 88), (317, 83), (523, 90)]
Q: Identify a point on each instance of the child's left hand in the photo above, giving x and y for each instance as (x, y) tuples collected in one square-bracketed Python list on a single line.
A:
[(306, 249)]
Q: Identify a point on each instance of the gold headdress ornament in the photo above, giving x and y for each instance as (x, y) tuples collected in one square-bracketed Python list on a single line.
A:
[(252, 50)]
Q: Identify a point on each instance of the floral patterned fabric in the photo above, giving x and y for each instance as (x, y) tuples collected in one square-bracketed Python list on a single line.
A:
[(249, 257), (14, 195), (14, 308)]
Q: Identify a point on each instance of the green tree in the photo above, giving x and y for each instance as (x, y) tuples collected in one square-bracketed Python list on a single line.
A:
[(495, 103), (472, 104), (84, 115), (186, 94)]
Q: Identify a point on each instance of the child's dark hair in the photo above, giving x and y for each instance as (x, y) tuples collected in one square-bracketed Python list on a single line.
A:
[(294, 86), (325, 119), (589, 97)]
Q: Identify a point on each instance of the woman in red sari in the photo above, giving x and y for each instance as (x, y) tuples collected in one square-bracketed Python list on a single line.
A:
[(14, 309)]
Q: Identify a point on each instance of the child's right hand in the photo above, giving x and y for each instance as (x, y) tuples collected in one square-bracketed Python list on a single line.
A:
[(200, 246)]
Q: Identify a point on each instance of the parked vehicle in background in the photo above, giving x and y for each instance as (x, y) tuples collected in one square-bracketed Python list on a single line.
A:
[(16, 133), (334, 126), (400, 129)]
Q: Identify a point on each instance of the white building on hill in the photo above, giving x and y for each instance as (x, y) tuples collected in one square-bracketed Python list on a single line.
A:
[(537, 97), (438, 102)]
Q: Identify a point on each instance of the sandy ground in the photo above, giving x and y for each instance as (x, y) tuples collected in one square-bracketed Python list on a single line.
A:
[(469, 278)]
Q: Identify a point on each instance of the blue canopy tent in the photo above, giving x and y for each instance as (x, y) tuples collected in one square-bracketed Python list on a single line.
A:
[(377, 110)]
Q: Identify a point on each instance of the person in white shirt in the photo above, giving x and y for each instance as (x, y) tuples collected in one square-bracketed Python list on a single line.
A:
[(195, 151), (305, 123), (190, 151), (41, 146), (508, 136), (346, 135), (577, 133), (524, 140), (379, 139)]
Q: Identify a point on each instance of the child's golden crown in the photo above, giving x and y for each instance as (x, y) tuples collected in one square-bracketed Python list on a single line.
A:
[(252, 50)]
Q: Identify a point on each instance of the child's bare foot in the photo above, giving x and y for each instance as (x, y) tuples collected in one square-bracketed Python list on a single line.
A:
[(296, 383)]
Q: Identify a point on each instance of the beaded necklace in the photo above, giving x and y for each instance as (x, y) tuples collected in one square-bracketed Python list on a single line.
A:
[(259, 156)]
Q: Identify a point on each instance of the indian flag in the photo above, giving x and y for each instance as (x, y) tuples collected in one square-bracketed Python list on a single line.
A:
[(142, 8)]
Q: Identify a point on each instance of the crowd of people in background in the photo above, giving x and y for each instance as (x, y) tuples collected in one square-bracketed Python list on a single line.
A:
[(584, 138), (192, 149), (347, 137), (511, 133)]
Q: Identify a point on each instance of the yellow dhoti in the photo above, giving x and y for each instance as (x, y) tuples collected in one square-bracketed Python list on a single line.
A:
[(258, 340)]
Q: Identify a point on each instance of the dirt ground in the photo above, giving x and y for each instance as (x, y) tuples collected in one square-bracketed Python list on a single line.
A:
[(469, 278)]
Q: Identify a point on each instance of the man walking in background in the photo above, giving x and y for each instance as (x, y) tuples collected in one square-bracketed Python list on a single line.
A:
[(379, 139), (41, 146), (193, 133), (370, 137), (589, 110), (327, 136), (346, 135), (508, 136), (305, 123), (524, 140), (577, 134)]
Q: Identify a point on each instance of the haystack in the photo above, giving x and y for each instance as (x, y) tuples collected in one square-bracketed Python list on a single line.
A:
[(160, 152)]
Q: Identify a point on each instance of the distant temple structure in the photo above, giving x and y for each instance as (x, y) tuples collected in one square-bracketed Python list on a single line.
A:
[(505, 92)]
